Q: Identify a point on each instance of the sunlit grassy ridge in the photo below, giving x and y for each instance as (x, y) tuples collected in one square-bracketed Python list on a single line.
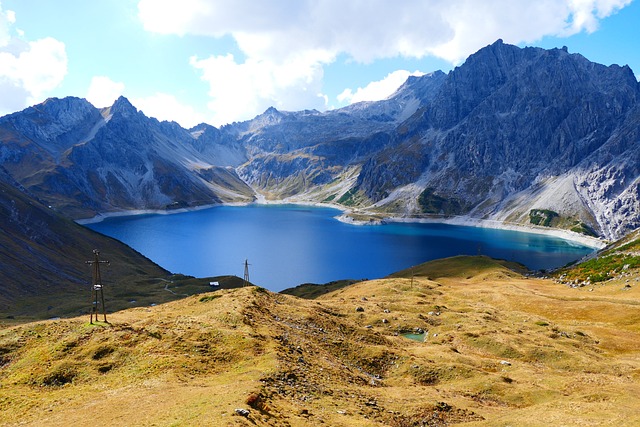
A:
[(500, 349)]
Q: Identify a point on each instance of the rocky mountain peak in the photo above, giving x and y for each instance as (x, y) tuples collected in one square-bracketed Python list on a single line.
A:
[(271, 116), (124, 107), (62, 114)]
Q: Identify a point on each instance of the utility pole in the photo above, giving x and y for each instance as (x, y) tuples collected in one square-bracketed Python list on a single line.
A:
[(412, 277), (96, 287), (246, 273)]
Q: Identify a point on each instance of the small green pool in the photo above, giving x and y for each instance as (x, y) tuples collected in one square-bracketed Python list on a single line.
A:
[(416, 337)]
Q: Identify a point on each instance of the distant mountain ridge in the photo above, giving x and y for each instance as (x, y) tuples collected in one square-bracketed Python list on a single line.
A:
[(509, 133)]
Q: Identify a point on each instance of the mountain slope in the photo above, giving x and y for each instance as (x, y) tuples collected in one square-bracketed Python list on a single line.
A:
[(114, 159), (508, 124), (42, 261), (499, 349)]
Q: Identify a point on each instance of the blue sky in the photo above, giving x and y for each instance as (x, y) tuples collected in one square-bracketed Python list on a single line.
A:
[(220, 61)]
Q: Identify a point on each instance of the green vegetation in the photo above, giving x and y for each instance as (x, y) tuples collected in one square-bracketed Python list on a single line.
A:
[(602, 268), (631, 246), (432, 203), (582, 228), (543, 217), (312, 290), (208, 298), (350, 198), (120, 293), (618, 258)]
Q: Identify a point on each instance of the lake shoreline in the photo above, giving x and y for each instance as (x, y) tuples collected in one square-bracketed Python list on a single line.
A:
[(592, 242)]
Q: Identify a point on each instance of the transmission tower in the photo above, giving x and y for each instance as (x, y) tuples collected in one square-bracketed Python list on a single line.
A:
[(97, 294), (246, 273)]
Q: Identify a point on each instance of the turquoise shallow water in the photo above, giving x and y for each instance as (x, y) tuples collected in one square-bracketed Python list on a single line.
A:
[(287, 245), (415, 337)]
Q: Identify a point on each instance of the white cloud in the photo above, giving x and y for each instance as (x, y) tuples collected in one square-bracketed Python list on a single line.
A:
[(376, 28), (6, 20), (103, 91), (240, 91), (163, 106), (378, 90), (298, 38), (28, 69), (39, 67)]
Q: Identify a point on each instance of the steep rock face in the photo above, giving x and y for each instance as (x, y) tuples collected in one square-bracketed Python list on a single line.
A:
[(38, 136), (609, 179), (507, 119), (319, 147), (218, 147), (416, 91)]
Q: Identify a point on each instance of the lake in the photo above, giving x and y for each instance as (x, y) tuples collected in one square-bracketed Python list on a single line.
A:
[(287, 245)]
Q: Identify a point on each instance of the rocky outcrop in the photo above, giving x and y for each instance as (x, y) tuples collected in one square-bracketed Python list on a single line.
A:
[(509, 119)]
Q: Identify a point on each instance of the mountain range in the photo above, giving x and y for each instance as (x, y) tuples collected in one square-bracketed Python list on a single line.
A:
[(510, 134)]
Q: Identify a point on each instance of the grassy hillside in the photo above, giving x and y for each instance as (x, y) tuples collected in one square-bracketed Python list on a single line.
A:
[(43, 270), (617, 261), (500, 350)]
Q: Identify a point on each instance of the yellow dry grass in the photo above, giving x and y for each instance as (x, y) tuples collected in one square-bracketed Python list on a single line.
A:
[(500, 350)]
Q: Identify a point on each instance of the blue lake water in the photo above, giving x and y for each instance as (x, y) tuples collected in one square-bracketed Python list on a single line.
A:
[(287, 245)]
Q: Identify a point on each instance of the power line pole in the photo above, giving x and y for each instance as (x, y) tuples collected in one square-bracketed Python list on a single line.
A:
[(412, 277), (246, 273), (96, 287)]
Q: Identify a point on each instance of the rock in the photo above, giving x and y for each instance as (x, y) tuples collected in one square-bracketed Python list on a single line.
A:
[(242, 412), (359, 309)]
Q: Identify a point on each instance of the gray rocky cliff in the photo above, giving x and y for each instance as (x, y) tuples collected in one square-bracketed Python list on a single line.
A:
[(508, 119)]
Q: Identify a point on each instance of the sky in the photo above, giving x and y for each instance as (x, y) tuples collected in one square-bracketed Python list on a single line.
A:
[(220, 61)]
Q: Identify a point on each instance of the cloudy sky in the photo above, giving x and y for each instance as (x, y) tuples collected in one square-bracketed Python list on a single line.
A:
[(220, 61)]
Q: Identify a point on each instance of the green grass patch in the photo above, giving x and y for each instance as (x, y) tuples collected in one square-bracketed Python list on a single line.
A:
[(543, 217), (583, 228), (313, 291), (432, 203), (208, 298), (349, 198), (603, 268), (631, 246)]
